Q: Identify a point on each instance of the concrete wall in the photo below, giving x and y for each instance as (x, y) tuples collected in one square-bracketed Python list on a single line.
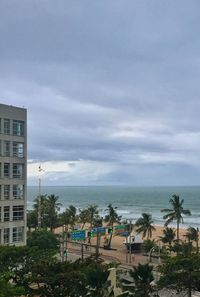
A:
[(20, 114)]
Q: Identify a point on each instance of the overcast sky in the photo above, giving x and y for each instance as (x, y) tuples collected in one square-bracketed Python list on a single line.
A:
[(112, 88)]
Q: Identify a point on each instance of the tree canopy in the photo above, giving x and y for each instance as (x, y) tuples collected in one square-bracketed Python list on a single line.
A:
[(176, 212), (145, 225)]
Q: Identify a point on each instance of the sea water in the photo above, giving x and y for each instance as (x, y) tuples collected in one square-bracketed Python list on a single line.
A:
[(130, 201)]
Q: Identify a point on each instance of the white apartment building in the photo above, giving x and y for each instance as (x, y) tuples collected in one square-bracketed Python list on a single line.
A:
[(13, 175)]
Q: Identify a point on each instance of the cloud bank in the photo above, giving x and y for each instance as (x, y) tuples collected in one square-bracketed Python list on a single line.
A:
[(111, 87)]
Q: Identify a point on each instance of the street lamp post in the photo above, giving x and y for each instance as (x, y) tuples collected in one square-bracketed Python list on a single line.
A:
[(128, 243), (40, 170)]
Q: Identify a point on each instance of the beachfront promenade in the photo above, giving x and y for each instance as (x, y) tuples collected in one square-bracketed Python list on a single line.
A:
[(117, 253)]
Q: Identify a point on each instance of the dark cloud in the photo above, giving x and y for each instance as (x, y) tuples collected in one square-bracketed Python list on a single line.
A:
[(109, 82)]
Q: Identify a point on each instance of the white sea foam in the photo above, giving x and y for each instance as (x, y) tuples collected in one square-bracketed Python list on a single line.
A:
[(131, 202)]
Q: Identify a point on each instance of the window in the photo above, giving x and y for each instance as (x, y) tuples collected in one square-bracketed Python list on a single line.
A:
[(18, 128), (0, 213), (17, 235), (18, 213), (0, 149), (18, 149), (18, 170), (6, 235), (0, 192), (6, 126), (6, 213), (6, 148), (18, 191), (6, 170), (6, 193)]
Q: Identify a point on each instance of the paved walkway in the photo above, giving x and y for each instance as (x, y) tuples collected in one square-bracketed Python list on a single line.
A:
[(117, 254)]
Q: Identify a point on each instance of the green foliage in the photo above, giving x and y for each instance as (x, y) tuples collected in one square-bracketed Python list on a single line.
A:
[(36, 272), (49, 212), (52, 278), (111, 218), (69, 216), (143, 278), (11, 257), (7, 289), (148, 244), (181, 272), (83, 216), (145, 225), (96, 277), (182, 248), (42, 201), (90, 215), (168, 236), (32, 219), (43, 240), (193, 235), (175, 214), (51, 209)]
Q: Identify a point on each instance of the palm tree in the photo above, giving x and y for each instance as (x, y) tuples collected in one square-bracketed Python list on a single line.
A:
[(69, 216), (90, 215), (42, 202), (143, 278), (32, 219), (111, 218), (193, 235), (52, 209), (168, 236), (175, 213), (93, 214), (83, 217), (145, 226)]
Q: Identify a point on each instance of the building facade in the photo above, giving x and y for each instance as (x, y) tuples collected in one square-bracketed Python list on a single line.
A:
[(13, 175)]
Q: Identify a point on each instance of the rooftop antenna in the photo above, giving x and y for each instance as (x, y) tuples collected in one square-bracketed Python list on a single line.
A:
[(40, 170)]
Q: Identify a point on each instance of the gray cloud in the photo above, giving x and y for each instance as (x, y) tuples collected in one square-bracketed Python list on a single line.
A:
[(111, 82)]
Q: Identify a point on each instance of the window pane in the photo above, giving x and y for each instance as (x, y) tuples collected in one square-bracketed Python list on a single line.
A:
[(6, 213), (6, 126), (18, 128), (6, 170), (6, 148), (18, 212), (18, 234), (6, 191), (18, 170), (18, 191), (6, 234), (18, 149)]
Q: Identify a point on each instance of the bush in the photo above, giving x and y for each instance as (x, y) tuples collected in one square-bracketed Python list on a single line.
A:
[(149, 244), (44, 240)]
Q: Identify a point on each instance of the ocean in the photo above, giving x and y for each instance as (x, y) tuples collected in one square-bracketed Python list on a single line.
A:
[(130, 201)]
